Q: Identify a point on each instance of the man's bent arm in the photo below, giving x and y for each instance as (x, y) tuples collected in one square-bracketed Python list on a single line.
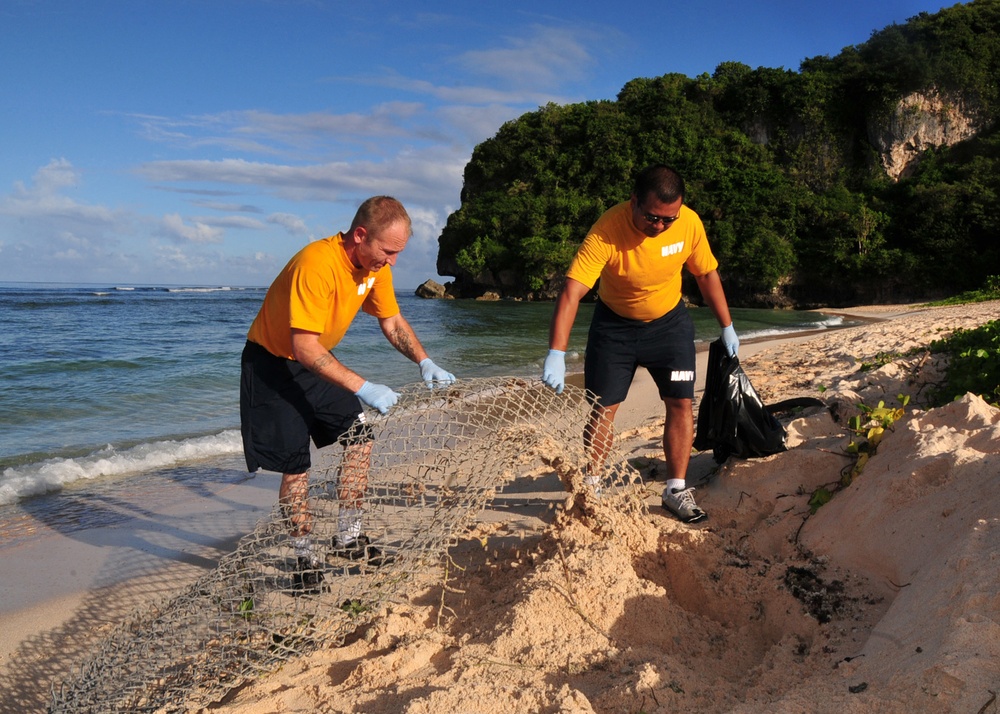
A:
[(311, 354)]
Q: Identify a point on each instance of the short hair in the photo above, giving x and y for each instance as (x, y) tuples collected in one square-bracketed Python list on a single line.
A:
[(660, 180), (380, 212)]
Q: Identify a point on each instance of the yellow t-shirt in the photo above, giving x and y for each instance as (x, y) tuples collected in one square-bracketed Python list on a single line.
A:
[(320, 291), (641, 276)]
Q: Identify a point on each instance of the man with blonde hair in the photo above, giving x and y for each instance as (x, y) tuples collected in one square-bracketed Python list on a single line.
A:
[(294, 389)]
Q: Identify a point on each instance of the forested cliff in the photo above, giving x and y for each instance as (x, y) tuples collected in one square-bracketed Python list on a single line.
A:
[(871, 176)]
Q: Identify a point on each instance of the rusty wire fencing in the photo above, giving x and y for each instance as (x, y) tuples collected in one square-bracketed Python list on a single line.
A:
[(436, 460)]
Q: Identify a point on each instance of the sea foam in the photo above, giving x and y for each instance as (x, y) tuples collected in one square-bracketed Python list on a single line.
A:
[(54, 474)]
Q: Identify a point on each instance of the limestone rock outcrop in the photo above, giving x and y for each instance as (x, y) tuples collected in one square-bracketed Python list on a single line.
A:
[(919, 121)]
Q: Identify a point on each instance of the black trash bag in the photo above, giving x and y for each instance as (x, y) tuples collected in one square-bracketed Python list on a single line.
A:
[(732, 420)]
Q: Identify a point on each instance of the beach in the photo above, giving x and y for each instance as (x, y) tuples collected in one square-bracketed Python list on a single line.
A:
[(885, 599)]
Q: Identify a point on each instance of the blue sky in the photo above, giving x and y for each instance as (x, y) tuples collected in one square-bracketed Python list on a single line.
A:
[(203, 142)]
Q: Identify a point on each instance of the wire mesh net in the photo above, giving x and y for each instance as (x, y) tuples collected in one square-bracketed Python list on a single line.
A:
[(406, 486)]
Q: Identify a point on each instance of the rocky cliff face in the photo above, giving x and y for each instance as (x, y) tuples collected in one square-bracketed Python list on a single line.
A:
[(919, 121)]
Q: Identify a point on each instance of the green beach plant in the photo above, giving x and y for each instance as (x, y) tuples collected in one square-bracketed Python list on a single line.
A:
[(973, 364), (881, 359), (867, 431)]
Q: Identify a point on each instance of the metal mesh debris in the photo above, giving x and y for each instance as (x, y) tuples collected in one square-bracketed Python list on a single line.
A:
[(437, 460)]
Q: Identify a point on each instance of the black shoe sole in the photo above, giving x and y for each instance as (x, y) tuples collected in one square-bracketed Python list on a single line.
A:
[(357, 550), (307, 579), (369, 555), (693, 519)]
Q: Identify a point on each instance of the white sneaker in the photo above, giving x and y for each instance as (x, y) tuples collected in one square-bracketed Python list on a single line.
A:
[(681, 504)]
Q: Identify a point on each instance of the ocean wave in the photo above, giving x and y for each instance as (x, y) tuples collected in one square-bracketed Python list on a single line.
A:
[(184, 288), (777, 332), (789, 330), (831, 321), (221, 289), (54, 474)]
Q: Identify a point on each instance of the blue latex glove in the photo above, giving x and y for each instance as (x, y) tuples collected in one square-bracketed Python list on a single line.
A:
[(377, 395), (554, 370), (730, 340), (432, 374)]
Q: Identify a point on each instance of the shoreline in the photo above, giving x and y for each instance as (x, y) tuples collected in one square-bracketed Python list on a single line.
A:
[(70, 585), (46, 473)]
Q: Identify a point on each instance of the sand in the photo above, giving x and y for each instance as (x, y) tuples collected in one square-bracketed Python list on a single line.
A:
[(885, 599)]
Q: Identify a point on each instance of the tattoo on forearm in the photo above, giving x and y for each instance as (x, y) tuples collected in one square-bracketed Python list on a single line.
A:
[(400, 339), (321, 362)]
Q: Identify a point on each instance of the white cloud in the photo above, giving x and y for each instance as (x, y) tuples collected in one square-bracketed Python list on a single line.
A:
[(544, 57), (426, 175), (476, 124), (227, 207), (383, 120), (59, 173), (290, 222), (173, 227), (175, 261), (230, 222), (464, 94), (43, 200), (268, 133)]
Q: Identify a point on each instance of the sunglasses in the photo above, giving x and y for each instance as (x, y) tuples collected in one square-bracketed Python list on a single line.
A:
[(653, 219)]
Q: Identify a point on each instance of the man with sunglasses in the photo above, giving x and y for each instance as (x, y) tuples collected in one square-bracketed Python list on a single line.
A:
[(637, 249)]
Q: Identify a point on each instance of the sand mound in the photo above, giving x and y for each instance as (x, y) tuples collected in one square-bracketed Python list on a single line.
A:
[(885, 599)]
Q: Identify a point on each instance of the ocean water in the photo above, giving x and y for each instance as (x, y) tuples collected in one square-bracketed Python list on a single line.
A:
[(111, 383)]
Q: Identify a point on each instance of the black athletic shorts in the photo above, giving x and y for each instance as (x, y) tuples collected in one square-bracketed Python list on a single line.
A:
[(617, 346), (283, 405)]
